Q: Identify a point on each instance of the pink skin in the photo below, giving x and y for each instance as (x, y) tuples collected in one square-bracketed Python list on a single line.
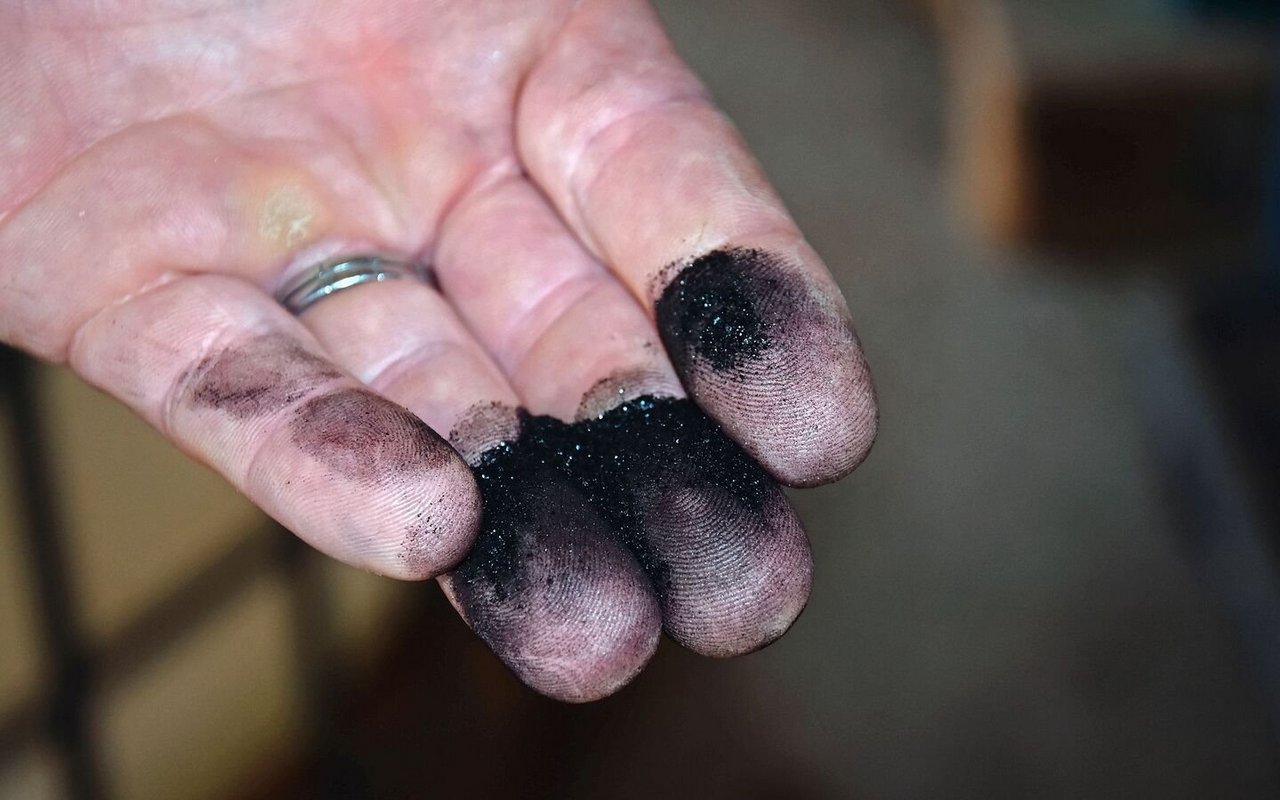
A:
[(168, 166)]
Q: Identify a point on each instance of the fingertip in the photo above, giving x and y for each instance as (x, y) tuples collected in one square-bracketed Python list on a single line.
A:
[(442, 529), (724, 550), (769, 352), (828, 440), (574, 632), (738, 577), (565, 665), (548, 586), (367, 482), (572, 660)]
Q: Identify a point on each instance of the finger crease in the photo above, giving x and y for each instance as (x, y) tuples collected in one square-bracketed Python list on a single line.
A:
[(574, 170), (532, 325), (393, 368)]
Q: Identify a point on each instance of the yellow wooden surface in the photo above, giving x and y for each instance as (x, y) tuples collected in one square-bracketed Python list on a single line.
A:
[(142, 516), (20, 653), (219, 708), (142, 519), (365, 607), (33, 775)]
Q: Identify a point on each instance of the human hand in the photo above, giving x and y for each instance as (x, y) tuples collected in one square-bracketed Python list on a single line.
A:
[(602, 243)]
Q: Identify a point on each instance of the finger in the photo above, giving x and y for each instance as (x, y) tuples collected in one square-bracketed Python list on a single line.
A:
[(657, 183), (548, 589), (726, 554), (231, 378)]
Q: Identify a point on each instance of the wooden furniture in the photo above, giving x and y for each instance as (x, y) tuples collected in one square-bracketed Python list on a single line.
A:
[(1090, 126)]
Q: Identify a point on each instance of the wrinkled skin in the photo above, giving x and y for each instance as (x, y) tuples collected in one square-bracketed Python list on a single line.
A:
[(169, 165)]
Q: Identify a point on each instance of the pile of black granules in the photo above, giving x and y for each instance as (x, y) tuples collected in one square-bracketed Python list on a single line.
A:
[(621, 462), (720, 309)]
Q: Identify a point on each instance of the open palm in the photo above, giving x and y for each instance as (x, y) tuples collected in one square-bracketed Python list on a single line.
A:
[(602, 244)]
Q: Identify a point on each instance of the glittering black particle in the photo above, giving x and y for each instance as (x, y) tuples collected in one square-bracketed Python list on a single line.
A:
[(622, 462), (505, 480), (721, 309)]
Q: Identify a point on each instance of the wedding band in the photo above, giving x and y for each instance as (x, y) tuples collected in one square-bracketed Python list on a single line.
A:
[(335, 276)]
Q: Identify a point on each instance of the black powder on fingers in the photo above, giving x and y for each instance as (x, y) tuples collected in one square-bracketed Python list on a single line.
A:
[(482, 426), (769, 352), (258, 377), (609, 392), (725, 309), (513, 489), (362, 437), (545, 578), (365, 437), (621, 462)]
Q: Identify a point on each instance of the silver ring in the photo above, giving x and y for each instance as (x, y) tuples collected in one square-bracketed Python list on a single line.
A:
[(332, 277)]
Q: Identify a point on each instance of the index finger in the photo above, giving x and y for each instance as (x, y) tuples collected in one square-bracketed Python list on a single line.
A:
[(651, 176)]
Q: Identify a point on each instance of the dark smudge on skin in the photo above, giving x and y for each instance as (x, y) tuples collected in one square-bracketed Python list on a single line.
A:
[(547, 587), (362, 437), (773, 358), (262, 375), (365, 437), (483, 426), (355, 434), (725, 309), (422, 546)]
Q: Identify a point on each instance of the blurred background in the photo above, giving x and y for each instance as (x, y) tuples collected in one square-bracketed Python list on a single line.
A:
[(1058, 225)]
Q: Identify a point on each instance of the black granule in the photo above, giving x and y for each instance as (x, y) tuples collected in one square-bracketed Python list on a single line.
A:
[(509, 479), (622, 461), (722, 309)]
